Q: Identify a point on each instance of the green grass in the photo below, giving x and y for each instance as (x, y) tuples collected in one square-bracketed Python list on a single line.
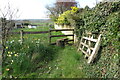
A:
[(67, 64), (40, 60)]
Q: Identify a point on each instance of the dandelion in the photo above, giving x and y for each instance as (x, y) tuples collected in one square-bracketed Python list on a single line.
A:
[(7, 69)]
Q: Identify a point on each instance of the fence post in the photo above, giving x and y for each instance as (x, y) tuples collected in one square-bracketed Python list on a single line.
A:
[(21, 36), (49, 36)]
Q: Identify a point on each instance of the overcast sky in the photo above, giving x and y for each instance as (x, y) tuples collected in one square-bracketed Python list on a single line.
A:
[(35, 9)]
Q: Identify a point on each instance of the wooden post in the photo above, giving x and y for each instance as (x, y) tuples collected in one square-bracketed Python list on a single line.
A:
[(21, 36), (73, 37), (50, 36)]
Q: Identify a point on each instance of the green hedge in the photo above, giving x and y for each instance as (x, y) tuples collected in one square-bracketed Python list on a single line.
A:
[(103, 18)]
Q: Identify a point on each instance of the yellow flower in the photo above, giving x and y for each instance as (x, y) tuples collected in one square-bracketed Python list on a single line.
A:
[(6, 47), (8, 52), (15, 55)]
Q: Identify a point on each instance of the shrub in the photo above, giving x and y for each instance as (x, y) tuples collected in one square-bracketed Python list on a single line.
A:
[(63, 18)]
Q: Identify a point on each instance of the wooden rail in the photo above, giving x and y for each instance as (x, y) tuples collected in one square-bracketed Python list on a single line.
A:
[(56, 30), (30, 32), (86, 42)]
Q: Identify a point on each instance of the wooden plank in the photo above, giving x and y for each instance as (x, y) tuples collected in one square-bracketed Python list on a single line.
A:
[(37, 32), (61, 35), (80, 44), (62, 30), (26, 32), (84, 52), (87, 46), (95, 51), (90, 39)]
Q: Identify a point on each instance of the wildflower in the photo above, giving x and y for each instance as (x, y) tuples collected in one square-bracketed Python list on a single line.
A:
[(7, 69), (8, 52), (57, 68), (6, 47), (12, 61), (11, 52), (15, 54), (49, 67), (9, 55), (19, 40)]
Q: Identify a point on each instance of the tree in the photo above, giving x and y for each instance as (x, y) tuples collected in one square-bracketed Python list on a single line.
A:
[(7, 14), (59, 7)]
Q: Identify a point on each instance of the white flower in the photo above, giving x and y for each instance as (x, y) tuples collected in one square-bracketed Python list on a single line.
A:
[(12, 60), (57, 68), (9, 55), (19, 40)]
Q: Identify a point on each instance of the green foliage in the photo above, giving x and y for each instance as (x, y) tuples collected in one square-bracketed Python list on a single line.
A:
[(63, 18), (103, 18)]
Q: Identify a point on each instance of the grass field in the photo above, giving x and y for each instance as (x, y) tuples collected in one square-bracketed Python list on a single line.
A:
[(35, 58)]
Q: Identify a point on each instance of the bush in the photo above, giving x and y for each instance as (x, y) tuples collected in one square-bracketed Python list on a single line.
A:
[(63, 18)]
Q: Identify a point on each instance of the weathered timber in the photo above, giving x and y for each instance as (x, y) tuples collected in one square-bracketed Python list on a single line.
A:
[(61, 35), (85, 46), (26, 32), (95, 51), (61, 29)]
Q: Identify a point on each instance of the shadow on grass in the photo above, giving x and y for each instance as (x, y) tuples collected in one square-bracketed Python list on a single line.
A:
[(45, 53)]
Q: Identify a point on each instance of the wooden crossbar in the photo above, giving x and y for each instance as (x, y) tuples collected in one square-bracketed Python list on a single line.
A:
[(86, 42), (90, 39), (61, 35)]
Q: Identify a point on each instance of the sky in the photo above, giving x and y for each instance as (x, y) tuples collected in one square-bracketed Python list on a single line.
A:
[(35, 9)]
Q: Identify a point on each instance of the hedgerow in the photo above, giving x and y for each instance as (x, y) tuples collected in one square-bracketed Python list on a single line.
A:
[(105, 19)]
